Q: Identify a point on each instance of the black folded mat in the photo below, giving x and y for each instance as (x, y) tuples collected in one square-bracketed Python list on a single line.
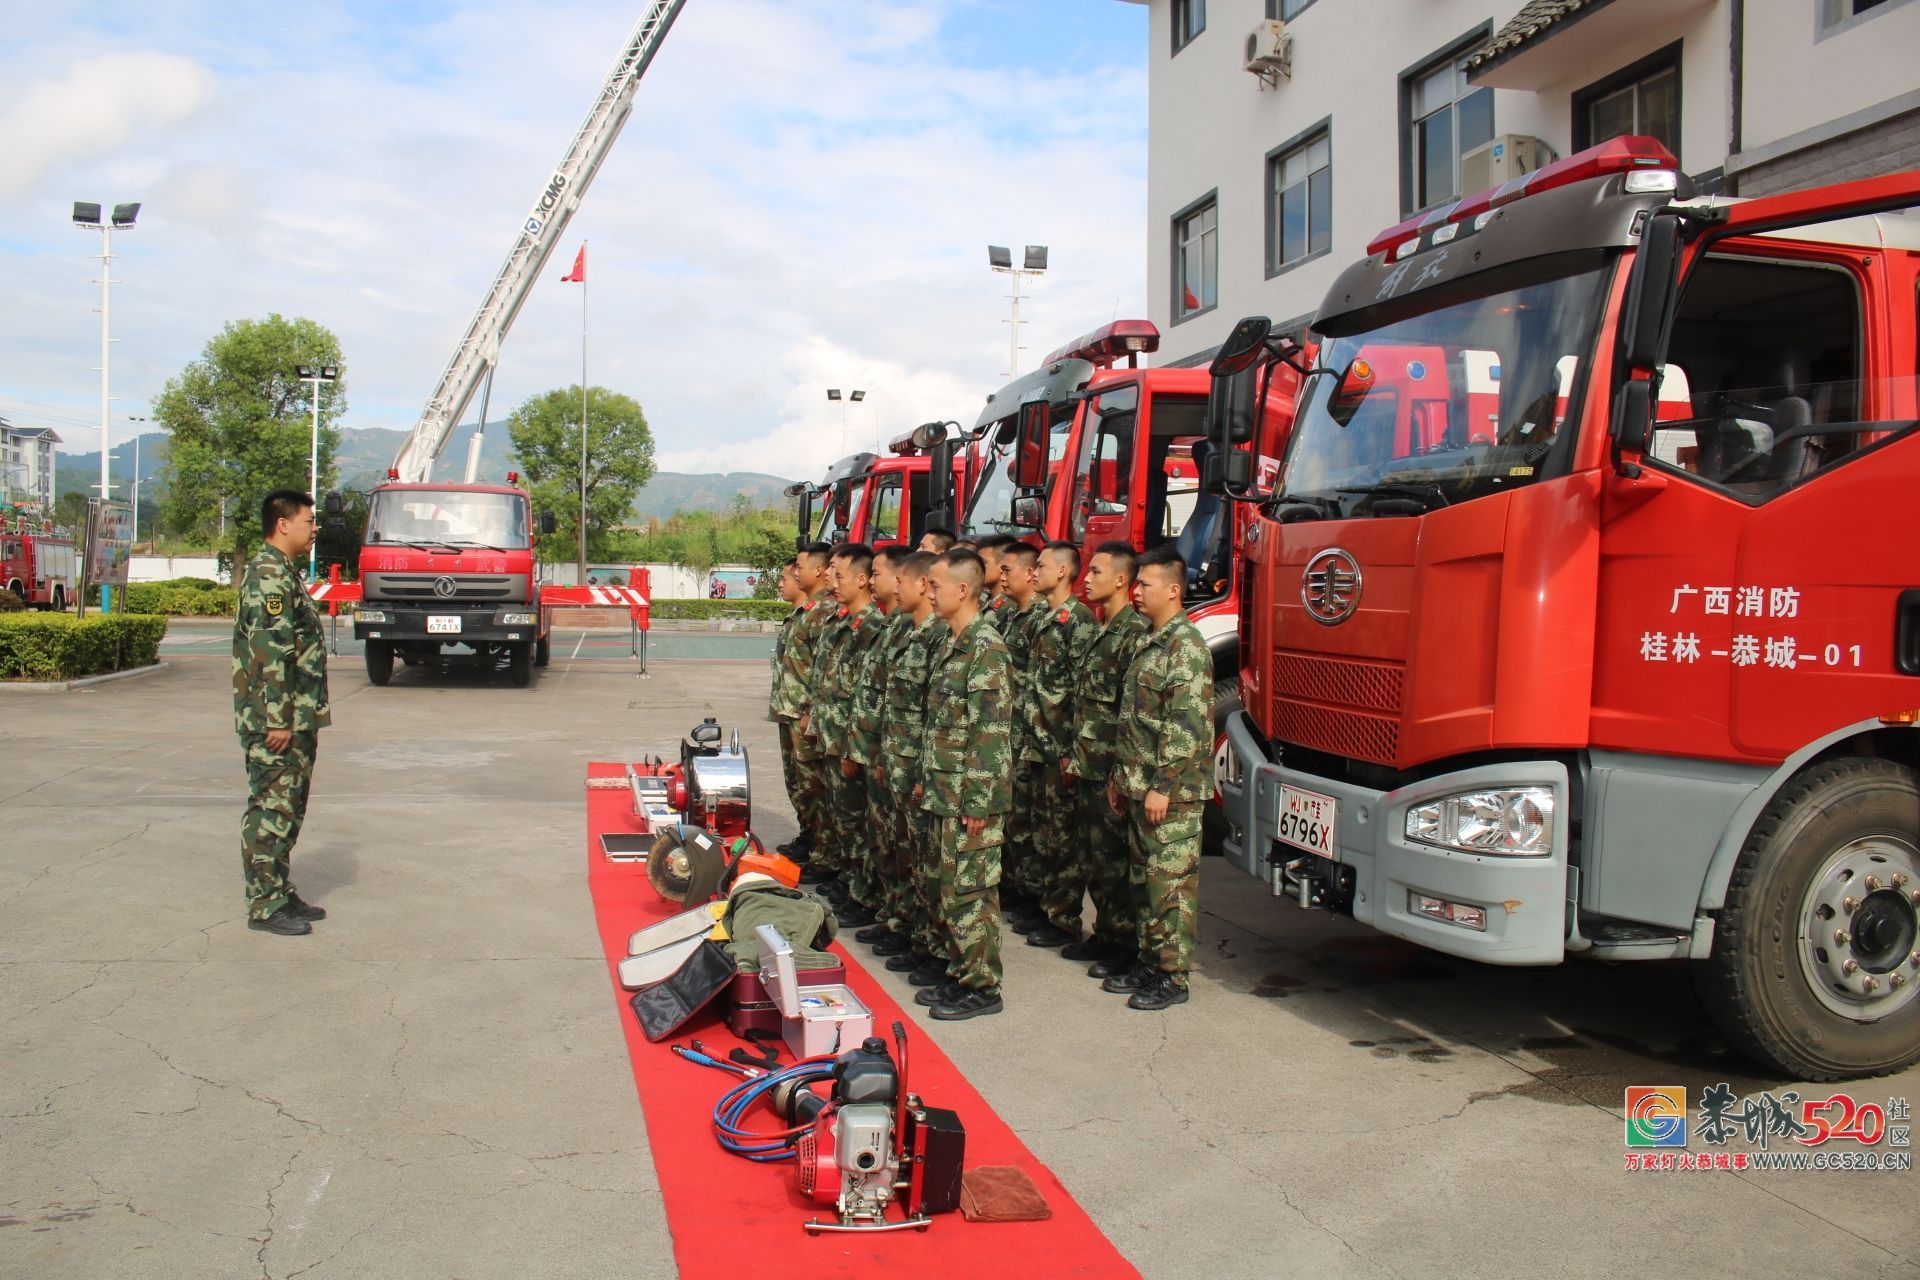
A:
[(665, 1007)]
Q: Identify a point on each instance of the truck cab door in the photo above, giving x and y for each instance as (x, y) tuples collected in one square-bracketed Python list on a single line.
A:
[(1103, 465)]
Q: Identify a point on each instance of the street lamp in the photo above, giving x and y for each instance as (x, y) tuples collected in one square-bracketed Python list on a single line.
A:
[(316, 374), (833, 393), (86, 216), (1000, 258), (136, 474)]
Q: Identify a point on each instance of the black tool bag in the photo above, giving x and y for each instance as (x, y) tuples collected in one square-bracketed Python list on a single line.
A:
[(665, 1007)]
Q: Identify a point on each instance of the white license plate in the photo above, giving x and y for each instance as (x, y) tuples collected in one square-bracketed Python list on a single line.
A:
[(1307, 820), (441, 624)]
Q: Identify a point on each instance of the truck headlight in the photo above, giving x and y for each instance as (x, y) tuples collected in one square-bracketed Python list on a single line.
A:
[(519, 619), (1514, 823), (364, 614)]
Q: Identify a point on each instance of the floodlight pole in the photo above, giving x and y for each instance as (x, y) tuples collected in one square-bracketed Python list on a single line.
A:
[(314, 375), (1013, 323), (98, 218)]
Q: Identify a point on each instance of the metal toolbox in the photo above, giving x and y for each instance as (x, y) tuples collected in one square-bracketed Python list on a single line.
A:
[(814, 1019)]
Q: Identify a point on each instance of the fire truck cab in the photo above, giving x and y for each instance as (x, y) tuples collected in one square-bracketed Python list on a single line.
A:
[(1619, 654), (885, 500)]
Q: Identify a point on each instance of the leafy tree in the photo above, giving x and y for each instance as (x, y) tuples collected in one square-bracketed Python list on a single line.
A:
[(241, 423), (546, 439), (70, 511)]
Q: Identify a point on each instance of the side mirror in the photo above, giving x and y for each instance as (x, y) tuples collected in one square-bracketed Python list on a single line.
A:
[(1632, 425), (1650, 293), (1242, 347), (547, 524), (334, 504), (336, 528), (1230, 407), (842, 506), (1028, 512), (1030, 446), (803, 492), (940, 482), (1355, 385), (1229, 473)]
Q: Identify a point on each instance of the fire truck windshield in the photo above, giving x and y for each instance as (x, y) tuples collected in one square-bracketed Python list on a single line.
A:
[(1448, 405), (990, 509), (448, 517)]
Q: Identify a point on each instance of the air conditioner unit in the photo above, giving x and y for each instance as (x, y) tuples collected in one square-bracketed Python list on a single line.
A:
[(1269, 51), (1507, 157)]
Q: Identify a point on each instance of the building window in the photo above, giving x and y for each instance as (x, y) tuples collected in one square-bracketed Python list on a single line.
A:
[(1445, 117), (1286, 10), (1300, 199), (1641, 99), (1189, 20), (1196, 258)]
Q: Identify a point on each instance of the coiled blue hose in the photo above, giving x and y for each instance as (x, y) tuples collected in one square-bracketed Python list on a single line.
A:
[(730, 1112)]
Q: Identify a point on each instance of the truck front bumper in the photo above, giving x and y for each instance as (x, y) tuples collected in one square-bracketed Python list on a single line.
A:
[(412, 624), (1524, 898)]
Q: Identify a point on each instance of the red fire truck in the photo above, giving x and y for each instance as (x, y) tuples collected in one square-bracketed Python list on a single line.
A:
[(1115, 451), (1587, 676), (885, 500), (38, 563)]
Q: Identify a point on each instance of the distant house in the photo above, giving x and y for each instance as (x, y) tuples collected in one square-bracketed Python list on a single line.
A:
[(26, 464)]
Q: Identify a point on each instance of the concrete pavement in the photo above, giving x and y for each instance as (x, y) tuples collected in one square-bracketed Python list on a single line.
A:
[(434, 1083)]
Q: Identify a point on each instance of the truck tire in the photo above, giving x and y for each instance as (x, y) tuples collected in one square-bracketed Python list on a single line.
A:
[(520, 664), (1213, 819), (1816, 964), (379, 661), (543, 651)]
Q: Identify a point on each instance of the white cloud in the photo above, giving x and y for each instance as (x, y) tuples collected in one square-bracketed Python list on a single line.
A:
[(94, 108)]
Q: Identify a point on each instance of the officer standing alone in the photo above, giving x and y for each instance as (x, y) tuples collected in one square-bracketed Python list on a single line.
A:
[(279, 707), (1163, 776)]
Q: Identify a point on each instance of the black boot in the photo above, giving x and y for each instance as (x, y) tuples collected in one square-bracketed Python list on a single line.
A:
[(947, 990), (304, 910), (893, 946), (872, 933), (908, 961), (968, 1004), (1132, 980), (1050, 936), (1158, 992), (1092, 949), (931, 974), (282, 922)]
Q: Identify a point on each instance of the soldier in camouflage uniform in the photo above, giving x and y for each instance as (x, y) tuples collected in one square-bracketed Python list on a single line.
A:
[(1024, 608), (837, 677), (1163, 773), (1058, 642), (887, 857), (1114, 947), (965, 761), (789, 592), (279, 707), (993, 599), (904, 719), (793, 700)]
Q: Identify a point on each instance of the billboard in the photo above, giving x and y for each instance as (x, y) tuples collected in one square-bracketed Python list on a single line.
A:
[(109, 542)]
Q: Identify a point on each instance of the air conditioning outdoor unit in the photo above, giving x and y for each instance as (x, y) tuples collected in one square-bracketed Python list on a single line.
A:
[(1269, 53), (1507, 157)]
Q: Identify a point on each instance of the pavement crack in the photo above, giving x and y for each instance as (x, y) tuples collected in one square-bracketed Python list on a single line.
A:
[(266, 1239)]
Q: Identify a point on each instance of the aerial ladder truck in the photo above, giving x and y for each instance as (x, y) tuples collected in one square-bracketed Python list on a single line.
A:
[(447, 564)]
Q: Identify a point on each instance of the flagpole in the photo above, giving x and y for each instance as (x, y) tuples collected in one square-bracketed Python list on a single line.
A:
[(582, 579)]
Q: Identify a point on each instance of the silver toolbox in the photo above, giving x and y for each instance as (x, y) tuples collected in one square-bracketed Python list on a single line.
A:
[(814, 1020)]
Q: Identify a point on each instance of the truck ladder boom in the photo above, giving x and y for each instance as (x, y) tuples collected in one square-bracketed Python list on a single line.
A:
[(533, 245)]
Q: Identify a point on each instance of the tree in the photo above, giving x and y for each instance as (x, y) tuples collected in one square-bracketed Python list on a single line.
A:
[(241, 423), (546, 439), (70, 512)]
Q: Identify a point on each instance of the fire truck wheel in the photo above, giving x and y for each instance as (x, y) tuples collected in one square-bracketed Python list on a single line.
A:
[(543, 651), (379, 661), (520, 664), (1816, 957), (1213, 819), (59, 599)]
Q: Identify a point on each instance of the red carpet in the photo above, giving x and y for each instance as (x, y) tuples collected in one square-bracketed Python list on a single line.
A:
[(729, 1215)]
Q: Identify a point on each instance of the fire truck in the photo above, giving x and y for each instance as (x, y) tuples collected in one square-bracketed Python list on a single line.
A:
[(1583, 669), (38, 563), (885, 500), (445, 564), (1114, 451)]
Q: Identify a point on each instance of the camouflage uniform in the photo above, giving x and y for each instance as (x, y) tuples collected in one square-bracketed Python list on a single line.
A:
[(793, 698), (886, 864), (788, 772), (903, 724), (279, 682), (999, 611), (836, 682), (966, 760), (1057, 643), (1104, 838), (1166, 745), (1017, 858)]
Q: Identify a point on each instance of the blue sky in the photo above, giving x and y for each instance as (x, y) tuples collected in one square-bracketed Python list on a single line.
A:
[(801, 199)]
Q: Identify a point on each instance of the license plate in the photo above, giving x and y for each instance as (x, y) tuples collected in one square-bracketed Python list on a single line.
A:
[(441, 624), (1307, 820)]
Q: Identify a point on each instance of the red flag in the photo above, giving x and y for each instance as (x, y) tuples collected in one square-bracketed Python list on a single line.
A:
[(579, 273), (1193, 303)]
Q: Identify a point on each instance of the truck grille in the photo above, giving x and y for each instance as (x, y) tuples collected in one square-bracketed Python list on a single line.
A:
[(1338, 705), (470, 586)]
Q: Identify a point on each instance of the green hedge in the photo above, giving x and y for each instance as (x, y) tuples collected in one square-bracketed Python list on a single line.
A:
[(178, 597), (764, 610), (59, 646)]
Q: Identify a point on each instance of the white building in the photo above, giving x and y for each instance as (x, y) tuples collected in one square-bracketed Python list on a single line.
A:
[(1262, 186), (26, 464)]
